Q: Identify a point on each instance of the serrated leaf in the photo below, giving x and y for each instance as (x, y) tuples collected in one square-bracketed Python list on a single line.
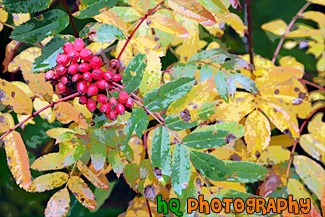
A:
[(174, 122), (311, 173), (274, 155), (234, 128), (99, 181), (102, 32), (181, 170), (206, 72), (98, 154), (47, 162), (127, 14), (61, 134), (27, 56), (297, 190), (132, 175), (220, 80), (160, 99), (65, 113), (48, 182), (22, 6), (206, 139), (59, 204), (70, 152), (90, 8), (82, 192), (215, 6), (52, 22), (133, 73), (140, 6), (247, 83), (145, 168), (160, 150), (216, 55), (17, 159), (138, 122), (277, 27), (180, 70), (116, 160)]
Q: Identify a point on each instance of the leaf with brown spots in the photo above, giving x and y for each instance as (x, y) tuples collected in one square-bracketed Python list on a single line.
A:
[(66, 113), (58, 205), (25, 57), (6, 122), (49, 161), (99, 181), (10, 95), (11, 50), (82, 192), (48, 182), (17, 159), (46, 114)]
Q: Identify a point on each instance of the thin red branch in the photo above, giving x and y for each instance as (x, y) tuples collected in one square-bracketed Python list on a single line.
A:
[(312, 84), (288, 30), (250, 31), (137, 27), (149, 209), (39, 111), (71, 19)]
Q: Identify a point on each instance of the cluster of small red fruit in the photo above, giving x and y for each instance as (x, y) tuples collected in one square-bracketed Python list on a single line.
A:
[(78, 69)]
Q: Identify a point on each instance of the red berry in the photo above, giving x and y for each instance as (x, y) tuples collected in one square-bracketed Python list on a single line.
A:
[(102, 84), (84, 67), (113, 101), (82, 87), (86, 54), (111, 115), (73, 68), (96, 62), (97, 74), (61, 70), (61, 87), (83, 100), (129, 103), (49, 75), (108, 76), (123, 97), (105, 108), (91, 105), (117, 77), (114, 64), (68, 46), (62, 59), (64, 80), (92, 90), (101, 98), (79, 44), (120, 109), (55, 77), (73, 56), (87, 76), (75, 78)]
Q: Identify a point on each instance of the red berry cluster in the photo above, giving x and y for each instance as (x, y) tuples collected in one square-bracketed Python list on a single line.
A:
[(78, 70)]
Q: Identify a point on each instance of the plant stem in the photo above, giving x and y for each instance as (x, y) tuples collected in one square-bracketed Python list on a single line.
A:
[(71, 19), (250, 31), (39, 111), (136, 28), (312, 84), (71, 172), (288, 30), (149, 209)]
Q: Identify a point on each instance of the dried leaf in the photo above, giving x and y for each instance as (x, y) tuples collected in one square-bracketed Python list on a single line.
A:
[(99, 181), (48, 182), (58, 205)]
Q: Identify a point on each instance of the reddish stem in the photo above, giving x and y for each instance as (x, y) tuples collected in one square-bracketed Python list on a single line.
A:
[(250, 31), (149, 209), (288, 30), (39, 111), (136, 28), (71, 19), (311, 84)]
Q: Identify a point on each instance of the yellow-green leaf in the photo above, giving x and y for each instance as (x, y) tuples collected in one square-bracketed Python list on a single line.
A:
[(58, 205), (99, 181), (277, 27), (140, 6), (49, 161), (274, 155), (48, 182)]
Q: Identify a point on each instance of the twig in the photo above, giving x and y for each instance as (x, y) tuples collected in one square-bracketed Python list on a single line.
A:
[(311, 84), (288, 30), (71, 19), (250, 31), (294, 147), (136, 28), (39, 111), (39, 44), (6, 24), (71, 172), (149, 209)]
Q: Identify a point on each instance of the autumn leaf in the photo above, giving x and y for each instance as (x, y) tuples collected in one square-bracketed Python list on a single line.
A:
[(66, 113), (99, 181), (59, 204), (46, 162), (48, 182), (6, 122), (140, 6), (277, 27)]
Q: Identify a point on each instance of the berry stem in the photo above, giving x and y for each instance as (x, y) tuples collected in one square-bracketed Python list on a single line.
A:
[(71, 19), (311, 84), (39, 111), (136, 28)]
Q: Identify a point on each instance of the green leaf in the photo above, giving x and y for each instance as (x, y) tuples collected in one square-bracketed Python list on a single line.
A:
[(208, 165), (247, 83), (35, 30), (133, 73), (138, 121), (145, 168), (114, 157), (101, 195), (206, 72), (205, 139), (220, 80), (98, 154), (181, 169), (23, 6), (90, 8), (111, 137), (231, 85), (244, 172), (132, 175), (159, 99), (70, 152), (235, 63), (103, 32), (174, 122), (216, 54), (215, 6), (233, 128), (181, 70), (160, 150), (127, 14)]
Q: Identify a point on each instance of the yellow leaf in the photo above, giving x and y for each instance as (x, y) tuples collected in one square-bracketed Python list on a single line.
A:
[(109, 17), (320, 2), (82, 108), (97, 47), (137, 146), (22, 118), (289, 44), (17, 159), (58, 205), (127, 55), (66, 113), (152, 74), (257, 132), (99, 181), (314, 145), (24, 87), (46, 114), (323, 201), (298, 191), (315, 16), (82, 192), (47, 162), (48, 182), (316, 126), (6, 122), (277, 27), (140, 6), (303, 31), (56, 133), (20, 18), (282, 140), (274, 155), (168, 25), (227, 185), (291, 61), (3, 15), (26, 56), (193, 10), (321, 65), (144, 44), (10, 95), (311, 173), (236, 23)]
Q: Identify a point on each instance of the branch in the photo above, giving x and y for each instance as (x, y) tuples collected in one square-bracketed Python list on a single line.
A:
[(311, 84), (250, 31), (137, 27), (71, 19), (149, 209), (288, 30), (39, 111)]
